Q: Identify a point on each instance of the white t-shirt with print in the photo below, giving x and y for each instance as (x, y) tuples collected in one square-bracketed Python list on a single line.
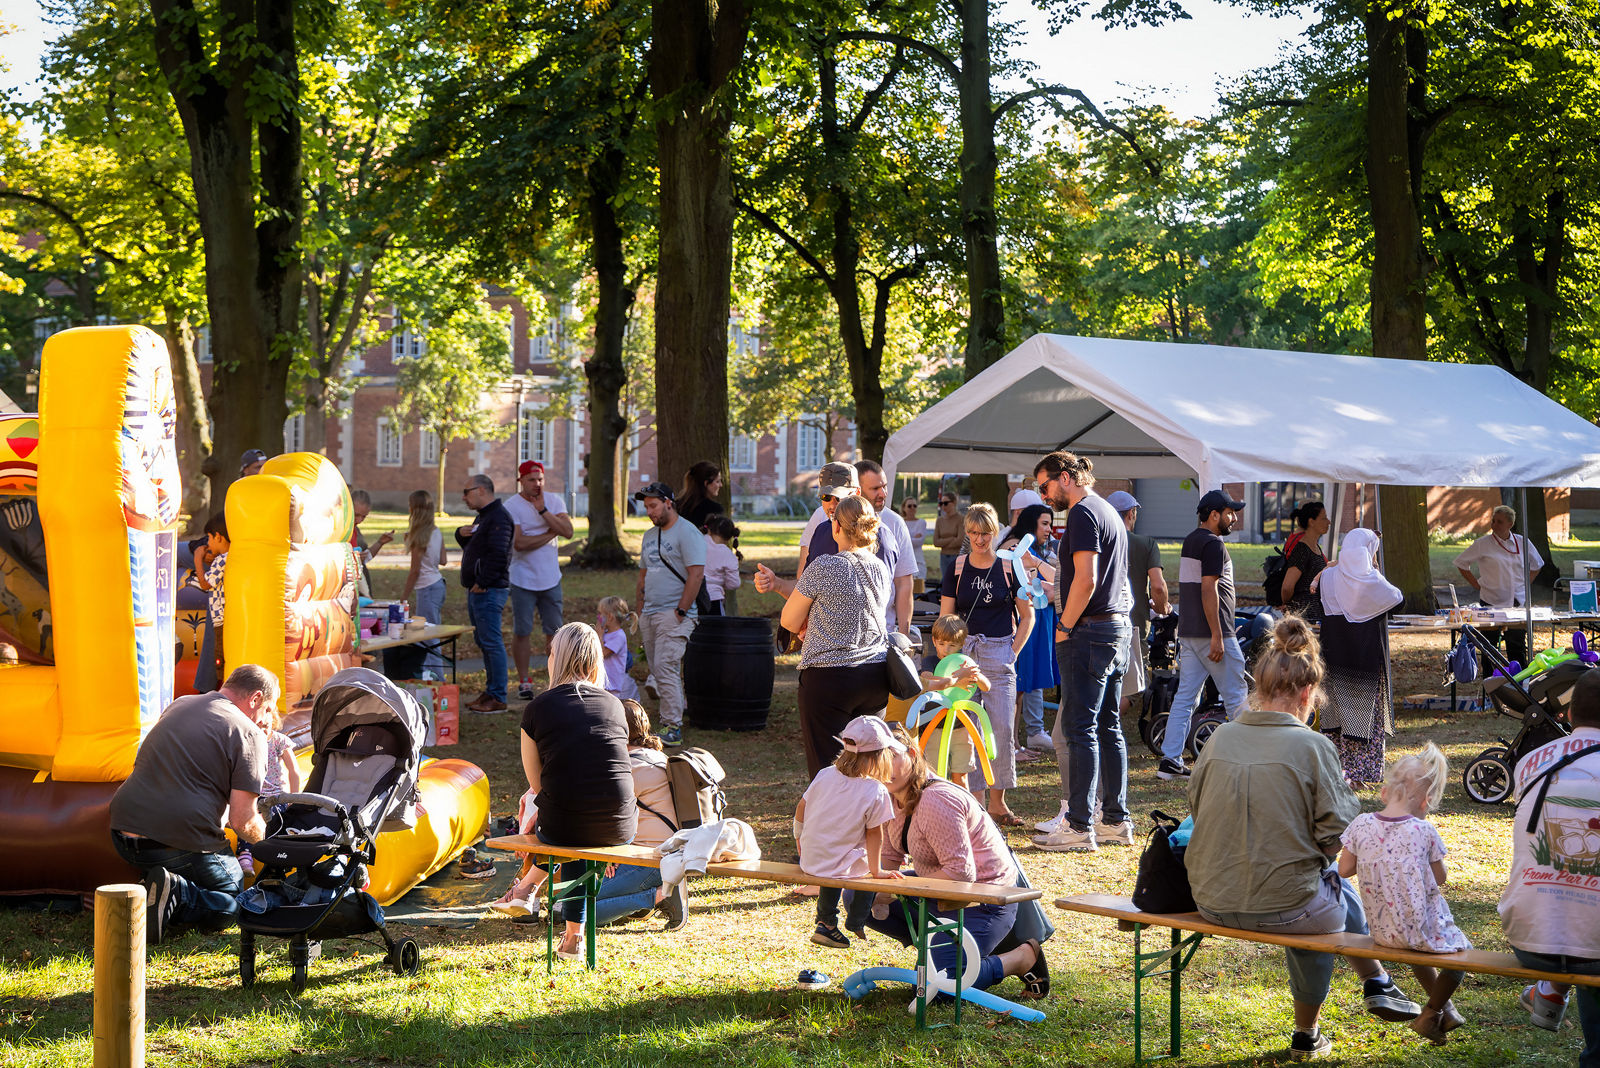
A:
[(1551, 903)]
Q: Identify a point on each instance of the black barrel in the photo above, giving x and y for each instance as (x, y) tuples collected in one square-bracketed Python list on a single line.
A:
[(727, 673)]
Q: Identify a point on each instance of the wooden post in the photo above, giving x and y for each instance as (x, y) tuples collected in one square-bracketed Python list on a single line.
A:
[(119, 913)]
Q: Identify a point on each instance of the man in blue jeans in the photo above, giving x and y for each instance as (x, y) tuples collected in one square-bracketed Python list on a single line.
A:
[(1207, 646), (1092, 651), (486, 573), (1550, 909), (202, 761)]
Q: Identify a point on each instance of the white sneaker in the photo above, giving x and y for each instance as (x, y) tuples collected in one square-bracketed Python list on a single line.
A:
[(1114, 833), (650, 687), (1051, 826), (1543, 1011), (1066, 840), (515, 907), (1040, 741)]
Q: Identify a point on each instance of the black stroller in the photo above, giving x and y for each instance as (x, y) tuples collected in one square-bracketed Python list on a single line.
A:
[(1539, 704), (1251, 626), (311, 866)]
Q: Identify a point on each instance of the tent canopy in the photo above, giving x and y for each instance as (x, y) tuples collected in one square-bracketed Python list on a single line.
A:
[(1153, 409)]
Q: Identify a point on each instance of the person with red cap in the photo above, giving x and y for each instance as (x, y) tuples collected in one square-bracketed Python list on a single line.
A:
[(541, 518)]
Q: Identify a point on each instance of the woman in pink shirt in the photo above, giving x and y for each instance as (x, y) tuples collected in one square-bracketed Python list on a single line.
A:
[(944, 833)]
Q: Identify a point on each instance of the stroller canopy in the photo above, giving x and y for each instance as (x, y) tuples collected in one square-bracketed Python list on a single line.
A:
[(359, 695)]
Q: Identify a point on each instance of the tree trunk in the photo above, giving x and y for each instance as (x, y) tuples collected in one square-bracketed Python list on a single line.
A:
[(1395, 82), (444, 454), (314, 437), (193, 431), (986, 315), (252, 271), (696, 48), (605, 370)]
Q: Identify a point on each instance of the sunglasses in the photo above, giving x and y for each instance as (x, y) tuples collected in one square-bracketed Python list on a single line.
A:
[(829, 497), (947, 501)]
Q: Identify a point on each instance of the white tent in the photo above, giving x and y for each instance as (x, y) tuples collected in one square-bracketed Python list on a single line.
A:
[(1151, 409)]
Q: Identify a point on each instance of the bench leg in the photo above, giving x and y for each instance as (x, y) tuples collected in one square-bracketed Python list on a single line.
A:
[(924, 931), (1149, 966), (587, 884)]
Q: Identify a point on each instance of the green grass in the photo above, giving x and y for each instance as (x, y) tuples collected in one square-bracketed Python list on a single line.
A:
[(722, 991)]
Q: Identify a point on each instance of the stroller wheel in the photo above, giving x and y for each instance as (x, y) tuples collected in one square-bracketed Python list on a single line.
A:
[(1488, 777), (1154, 730), (405, 957), (1202, 729), (247, 959)]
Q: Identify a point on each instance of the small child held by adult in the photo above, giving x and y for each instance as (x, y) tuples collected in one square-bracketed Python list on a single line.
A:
[(616, 621), (1398, 857), (949, 634), (209, 566), (839, 824)]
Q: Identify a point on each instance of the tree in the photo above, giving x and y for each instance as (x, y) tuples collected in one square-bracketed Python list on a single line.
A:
[(696, 48), (233, 72), (466, 357)]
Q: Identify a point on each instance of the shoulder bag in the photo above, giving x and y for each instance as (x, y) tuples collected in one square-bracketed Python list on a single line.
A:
[(1162, 884)]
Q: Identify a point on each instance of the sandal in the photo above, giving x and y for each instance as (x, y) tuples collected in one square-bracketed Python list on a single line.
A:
[(1036, 980)]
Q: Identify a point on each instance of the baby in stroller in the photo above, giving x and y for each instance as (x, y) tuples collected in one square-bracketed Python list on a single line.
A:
[(311, 866)]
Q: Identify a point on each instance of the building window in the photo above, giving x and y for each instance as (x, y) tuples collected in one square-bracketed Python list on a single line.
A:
[(633, 448), (409, 343), (294, 433), (534, 435), (202, 345), (390, 449), (809, 447), (539, 348), (742, 452), (429, 448)]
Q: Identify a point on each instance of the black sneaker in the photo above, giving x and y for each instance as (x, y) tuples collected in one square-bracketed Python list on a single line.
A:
[(1386, 1002), (1304, 1046), (161, 901), (675, 907), (828, 935), (1171, 769)]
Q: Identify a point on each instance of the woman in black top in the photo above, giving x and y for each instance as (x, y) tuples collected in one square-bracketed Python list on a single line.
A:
[(697, 502), (1304, 554), (986, 594), (575, 754)]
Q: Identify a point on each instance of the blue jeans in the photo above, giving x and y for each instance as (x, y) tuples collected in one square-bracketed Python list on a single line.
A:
[(1335, 907), (1194, 667), (485, 611), (1032, 714), (430, 606), (208, 883), (1090, 750), (988, 924), (205, 673), (632, 888), (1587, 997)]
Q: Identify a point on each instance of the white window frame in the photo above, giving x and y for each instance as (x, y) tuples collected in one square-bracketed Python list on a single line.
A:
[(390, 444), (743, 451), (408, 343), (428, 448), (535, 436), (294, 433), (810, 453)]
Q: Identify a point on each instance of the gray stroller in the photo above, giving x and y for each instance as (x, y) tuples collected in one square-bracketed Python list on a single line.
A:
[(367, 735)]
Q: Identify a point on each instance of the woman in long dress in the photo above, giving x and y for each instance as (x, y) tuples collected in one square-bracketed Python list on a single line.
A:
[(1358, 714)]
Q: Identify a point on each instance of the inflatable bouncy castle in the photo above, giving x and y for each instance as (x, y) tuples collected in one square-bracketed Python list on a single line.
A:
[(89, 508)]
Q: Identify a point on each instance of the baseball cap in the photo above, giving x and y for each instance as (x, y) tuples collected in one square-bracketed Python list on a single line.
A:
[(528, 466), (251, 456), (1216, 501), (655, 489), (1025, 498), (1122, 500), (868, 734), (837, 480)]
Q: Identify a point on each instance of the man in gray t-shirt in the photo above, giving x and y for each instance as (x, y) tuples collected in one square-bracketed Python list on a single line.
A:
[(201, 764), (672, 564)]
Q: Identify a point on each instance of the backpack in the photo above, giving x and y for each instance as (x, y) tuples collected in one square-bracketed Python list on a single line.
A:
[(1274, 567), (696, 781)]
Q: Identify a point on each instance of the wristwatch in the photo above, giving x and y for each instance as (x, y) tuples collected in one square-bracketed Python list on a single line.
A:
[(681, 613), (544, 511)]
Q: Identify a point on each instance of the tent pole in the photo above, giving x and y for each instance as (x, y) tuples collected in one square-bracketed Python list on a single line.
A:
[(1330, 503), (1377, 524), (1527, 579)]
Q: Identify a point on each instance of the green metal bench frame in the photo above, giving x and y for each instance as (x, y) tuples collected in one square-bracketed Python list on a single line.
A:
[(1176, 957)]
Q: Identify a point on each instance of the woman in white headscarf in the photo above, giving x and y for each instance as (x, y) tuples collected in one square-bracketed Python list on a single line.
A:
[(1359, 711)]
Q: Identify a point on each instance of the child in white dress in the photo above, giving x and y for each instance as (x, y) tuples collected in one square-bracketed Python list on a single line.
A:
[(1399, 859), (839, 824)]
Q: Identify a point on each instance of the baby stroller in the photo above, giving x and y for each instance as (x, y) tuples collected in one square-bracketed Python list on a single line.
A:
[(1539, 704), (311, 866), (1251, 627)]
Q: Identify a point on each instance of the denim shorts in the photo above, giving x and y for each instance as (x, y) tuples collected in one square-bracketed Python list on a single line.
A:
[(525, 602)]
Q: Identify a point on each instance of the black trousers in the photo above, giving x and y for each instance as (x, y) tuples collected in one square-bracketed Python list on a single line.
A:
[(829, 698)]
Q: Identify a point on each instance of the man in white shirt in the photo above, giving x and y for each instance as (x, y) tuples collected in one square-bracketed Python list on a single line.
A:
[(1501, 557), (893, 531), (1550, 909), (540, 519)]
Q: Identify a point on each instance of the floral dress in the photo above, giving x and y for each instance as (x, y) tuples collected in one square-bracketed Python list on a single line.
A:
[(1405, 907)]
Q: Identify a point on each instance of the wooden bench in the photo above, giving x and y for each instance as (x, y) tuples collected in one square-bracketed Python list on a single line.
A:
[(1177, 956), (919, 889)]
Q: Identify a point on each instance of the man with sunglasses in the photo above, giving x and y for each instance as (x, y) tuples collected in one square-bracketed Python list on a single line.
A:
[(949, 529), (835, 480), (486, 573)]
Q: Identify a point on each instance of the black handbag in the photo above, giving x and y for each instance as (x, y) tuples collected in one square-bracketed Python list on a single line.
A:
[(1162, 884), (905, 682)]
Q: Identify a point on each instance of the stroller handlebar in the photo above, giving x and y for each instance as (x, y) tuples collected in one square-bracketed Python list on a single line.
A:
[(322, 801)]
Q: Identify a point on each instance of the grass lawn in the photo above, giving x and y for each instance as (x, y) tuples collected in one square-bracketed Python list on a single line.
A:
[(723, 990)]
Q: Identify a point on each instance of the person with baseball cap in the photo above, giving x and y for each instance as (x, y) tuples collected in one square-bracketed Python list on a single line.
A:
[(541, 519), (1149, 584), (1207, 646), (672, 564), (834, 481), (250, 463)]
